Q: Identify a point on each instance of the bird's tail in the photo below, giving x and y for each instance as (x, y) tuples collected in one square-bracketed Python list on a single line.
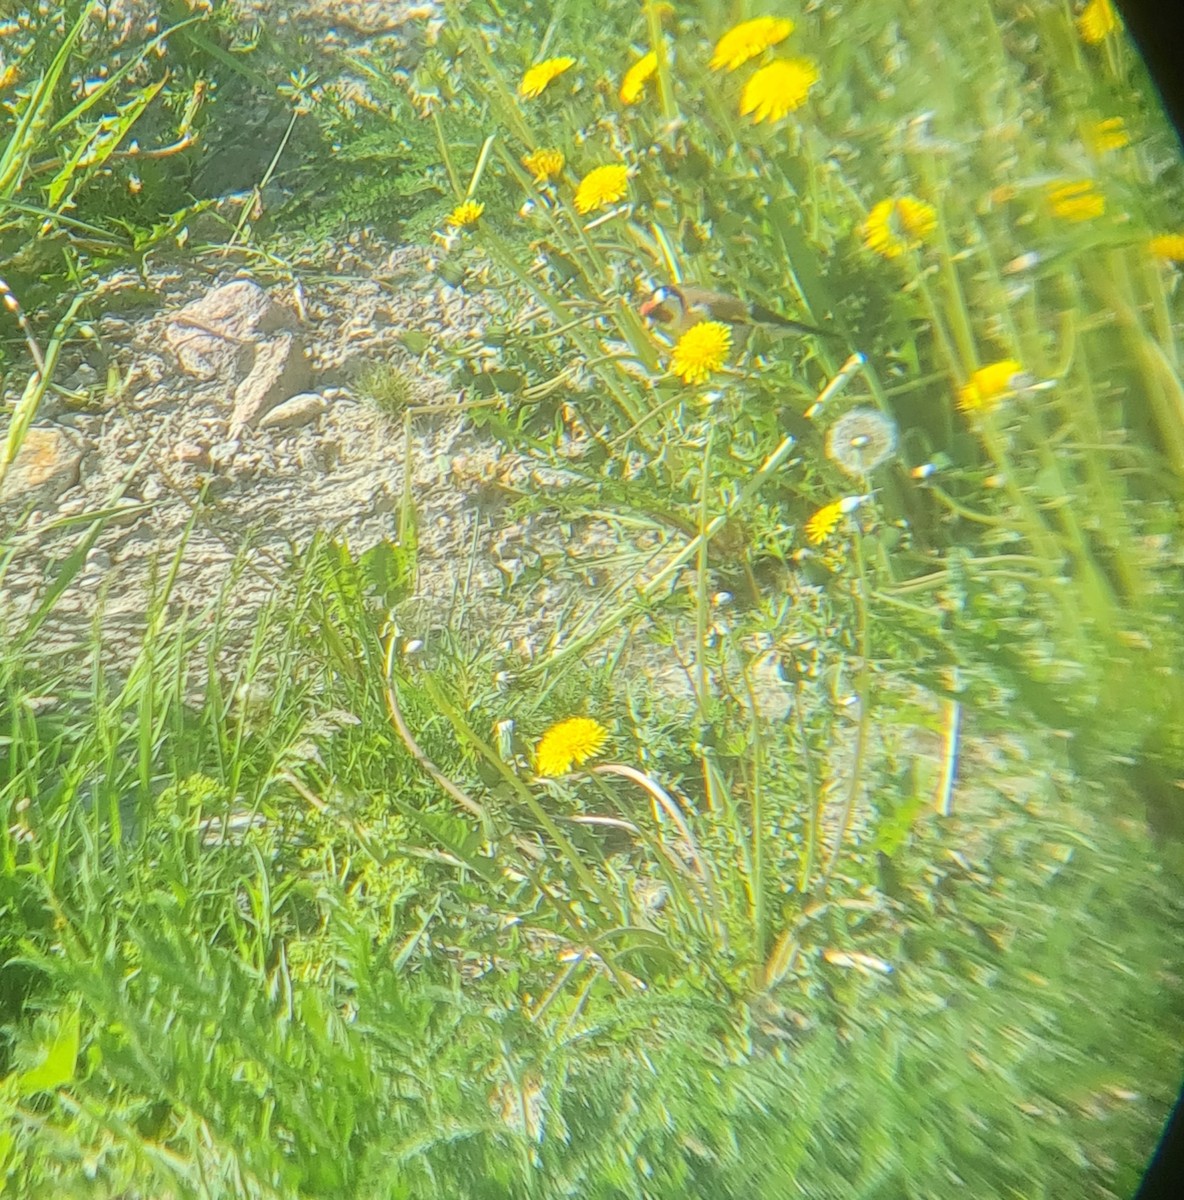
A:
[(766, 316)]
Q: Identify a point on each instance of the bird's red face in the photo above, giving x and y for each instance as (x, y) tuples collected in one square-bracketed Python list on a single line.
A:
[(658, 306)]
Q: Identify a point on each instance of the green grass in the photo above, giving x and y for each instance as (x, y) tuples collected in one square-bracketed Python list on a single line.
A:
[(388, 387), (325, 1004), (324, 932)]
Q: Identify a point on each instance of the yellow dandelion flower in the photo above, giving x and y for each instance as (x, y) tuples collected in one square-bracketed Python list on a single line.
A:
[(1079, 200), (602, 186), (468, 213), (825, 521), (747, 40), (1104, 136), (778, 89), (917, 218), (1097, 21), (893, 226), (568, 744), (879, 233), (536, 80), (989, 384), (544, 165), (636, 78), (1167, 246), (701, 350)]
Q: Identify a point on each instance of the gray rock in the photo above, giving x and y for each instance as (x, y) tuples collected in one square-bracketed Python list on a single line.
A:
[(83, 376), (224, 453), (127, 510)]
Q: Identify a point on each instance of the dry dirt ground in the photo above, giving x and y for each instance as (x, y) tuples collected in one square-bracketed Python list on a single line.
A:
[(194, 456), (222, 427)]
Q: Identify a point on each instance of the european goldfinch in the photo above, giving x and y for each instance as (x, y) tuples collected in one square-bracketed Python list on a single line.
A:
[(677, 309)]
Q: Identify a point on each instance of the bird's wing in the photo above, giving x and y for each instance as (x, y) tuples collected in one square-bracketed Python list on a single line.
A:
[(716, 306)]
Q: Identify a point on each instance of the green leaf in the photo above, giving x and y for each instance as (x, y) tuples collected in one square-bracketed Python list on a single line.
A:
[(389, 570), (107, 137), (56, 1068)]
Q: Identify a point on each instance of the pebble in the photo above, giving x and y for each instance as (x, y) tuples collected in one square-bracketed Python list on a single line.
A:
[(224, 453), (212, 336), (291, 414), (191, 453)]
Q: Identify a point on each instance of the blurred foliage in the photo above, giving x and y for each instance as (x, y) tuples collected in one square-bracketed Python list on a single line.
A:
[(257, 974)]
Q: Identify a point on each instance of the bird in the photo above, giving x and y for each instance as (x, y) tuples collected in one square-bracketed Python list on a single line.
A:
[(677, 309)]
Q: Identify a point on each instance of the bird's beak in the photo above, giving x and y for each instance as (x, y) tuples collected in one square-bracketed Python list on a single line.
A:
[(648, 307)]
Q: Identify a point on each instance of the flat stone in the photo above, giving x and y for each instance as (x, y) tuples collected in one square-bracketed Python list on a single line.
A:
[(213, 337), (47, 464), (224, 453), (280, 372)]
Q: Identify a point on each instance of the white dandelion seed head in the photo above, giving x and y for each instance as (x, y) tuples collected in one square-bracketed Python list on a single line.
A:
[(860, 440)]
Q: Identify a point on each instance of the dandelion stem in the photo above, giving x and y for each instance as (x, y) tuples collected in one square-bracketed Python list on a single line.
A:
[(446, 155), (701, 607), (756, 831), (1165, 394), (475, 43), (479, 169), (963, 334), (961, 510), (863, 690), (413, 748), (949, 760), (813, 800), (940, 333), (955, 301), (653, 22)]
